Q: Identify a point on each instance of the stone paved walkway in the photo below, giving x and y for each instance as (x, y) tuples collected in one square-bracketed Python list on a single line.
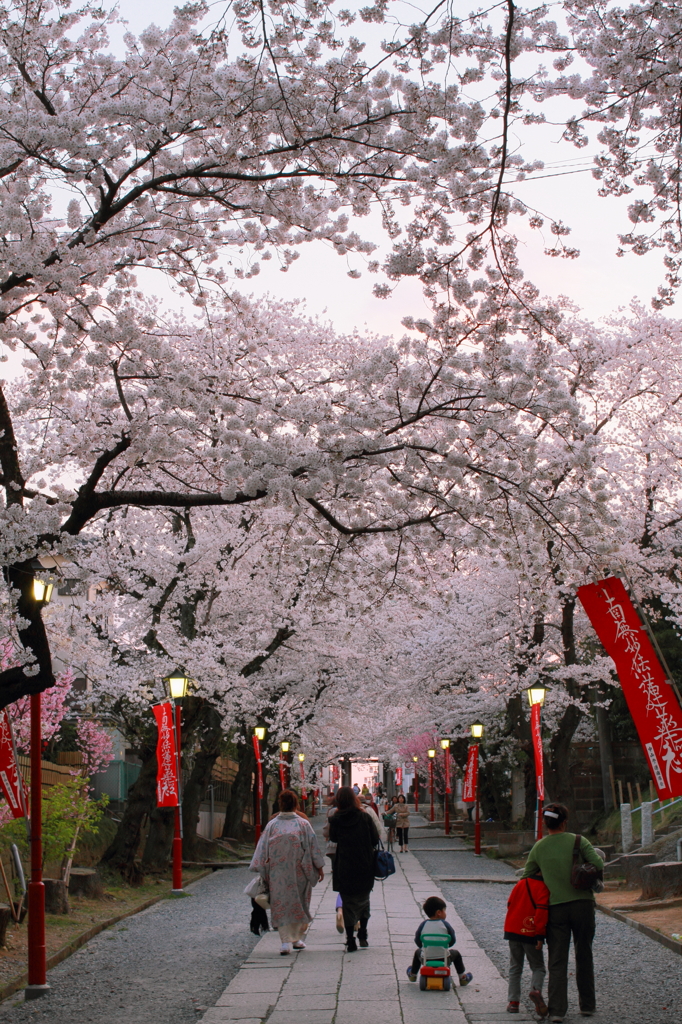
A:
[(325, 985)]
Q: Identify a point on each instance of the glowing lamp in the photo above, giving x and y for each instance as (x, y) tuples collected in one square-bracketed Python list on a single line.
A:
[(42, 590), (431, 753), (259, 733), (536, 695), (415, 758), (301, 758), (445, 744), (285, 745), (477, 730), (178, 684)]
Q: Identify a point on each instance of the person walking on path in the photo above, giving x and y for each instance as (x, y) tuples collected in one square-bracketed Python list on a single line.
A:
[(525, 927), (290, 862), (356, 837), (402, 823), (571, 912)]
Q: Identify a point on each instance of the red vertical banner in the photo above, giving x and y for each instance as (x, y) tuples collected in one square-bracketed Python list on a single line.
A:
[(259, 767), (167, 794), (304, 792), (282, 772), (448, 788), (470, 775), (536, 731), (398, 776), (651, 699), (10, 777)]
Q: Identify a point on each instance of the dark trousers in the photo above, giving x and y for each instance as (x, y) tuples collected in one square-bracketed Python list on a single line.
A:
[(576, 919), (355, 908), (402, 836), (455, 958)]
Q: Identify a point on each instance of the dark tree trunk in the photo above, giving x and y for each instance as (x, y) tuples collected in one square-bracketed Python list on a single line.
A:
[(159, 845), (141, 801), (558, 775), (520, 728), (241, 792), (210, 733)]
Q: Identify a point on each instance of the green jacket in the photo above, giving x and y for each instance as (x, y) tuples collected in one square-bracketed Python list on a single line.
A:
[(552, 857)]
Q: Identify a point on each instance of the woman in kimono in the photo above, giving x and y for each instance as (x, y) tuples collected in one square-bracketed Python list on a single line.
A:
[(289, 860)]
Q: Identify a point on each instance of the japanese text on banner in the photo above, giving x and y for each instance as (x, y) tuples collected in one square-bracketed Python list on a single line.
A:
[(10, 777), (536, 729), (652, 702), (471, 775), (166, 770)]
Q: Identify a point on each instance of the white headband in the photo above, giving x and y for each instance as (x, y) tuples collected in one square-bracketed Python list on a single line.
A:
[(550, 814)]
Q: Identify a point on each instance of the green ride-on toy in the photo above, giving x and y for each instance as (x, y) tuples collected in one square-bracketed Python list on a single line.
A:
[(434, 972)]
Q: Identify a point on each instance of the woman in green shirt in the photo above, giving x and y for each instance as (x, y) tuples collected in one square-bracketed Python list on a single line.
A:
[(571, 912)]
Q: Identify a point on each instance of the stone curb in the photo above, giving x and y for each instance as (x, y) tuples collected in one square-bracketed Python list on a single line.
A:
[(10, 987), (651, 933)]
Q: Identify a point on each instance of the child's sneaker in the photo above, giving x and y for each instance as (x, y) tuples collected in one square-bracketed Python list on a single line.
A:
[(540, 1005), (512, 1006), (464, 979), (411, 975), (340, 927)]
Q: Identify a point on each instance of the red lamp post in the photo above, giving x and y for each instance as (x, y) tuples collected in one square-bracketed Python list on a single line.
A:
[(304, 791), (445, 744), (416, 784), (258, 737), (536, 698), (432, 754), (37, 965), (283, 765), (178, 687), (477, 733)]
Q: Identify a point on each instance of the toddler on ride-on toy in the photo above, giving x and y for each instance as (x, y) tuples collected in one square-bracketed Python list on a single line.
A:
[(435, 939)]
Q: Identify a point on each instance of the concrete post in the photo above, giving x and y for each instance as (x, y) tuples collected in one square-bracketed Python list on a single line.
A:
[(647, 824), (626, 827)]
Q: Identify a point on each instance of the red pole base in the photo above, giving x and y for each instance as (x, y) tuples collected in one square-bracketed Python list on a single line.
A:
[(177, 855), (447, 815), (37, 956)]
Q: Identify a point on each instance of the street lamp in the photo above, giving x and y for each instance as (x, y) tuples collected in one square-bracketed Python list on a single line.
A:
[(178, 685), (42, 590), (432, 754), (445, 744), (536, 698), (477, 731), (37, 964), (416, 785), (258, 737), (283, 751)]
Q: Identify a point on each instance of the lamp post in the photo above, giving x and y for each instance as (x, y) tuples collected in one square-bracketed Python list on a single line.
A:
[(301, 759), (37, 965), (445, 744), (432, 754), (416, 784), (258, 737), (536, 698), (178, 687), (477, 733), (283, 751)]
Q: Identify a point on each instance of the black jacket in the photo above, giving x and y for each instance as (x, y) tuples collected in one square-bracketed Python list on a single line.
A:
[(356, 836)]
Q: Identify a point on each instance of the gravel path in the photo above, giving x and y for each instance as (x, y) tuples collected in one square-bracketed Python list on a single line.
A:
[(637, 978), (164, 965)]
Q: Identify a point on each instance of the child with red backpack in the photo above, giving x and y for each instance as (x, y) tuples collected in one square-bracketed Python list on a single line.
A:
[(524, 928)]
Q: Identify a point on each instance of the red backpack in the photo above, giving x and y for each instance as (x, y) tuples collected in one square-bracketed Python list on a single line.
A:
[(527, 910)]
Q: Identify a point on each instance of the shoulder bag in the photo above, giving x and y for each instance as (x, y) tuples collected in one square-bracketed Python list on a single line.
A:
[(584, 876), (384, 864)]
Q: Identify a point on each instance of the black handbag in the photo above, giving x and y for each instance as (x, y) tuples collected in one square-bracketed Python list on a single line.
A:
[(384, 864), (584, 876)]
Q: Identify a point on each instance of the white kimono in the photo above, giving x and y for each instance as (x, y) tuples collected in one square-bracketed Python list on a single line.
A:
[(288, 858)]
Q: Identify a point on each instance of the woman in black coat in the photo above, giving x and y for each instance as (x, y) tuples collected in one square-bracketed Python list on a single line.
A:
[(356, 837)]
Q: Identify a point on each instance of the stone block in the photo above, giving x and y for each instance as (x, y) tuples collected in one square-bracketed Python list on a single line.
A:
[(663, 879)]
